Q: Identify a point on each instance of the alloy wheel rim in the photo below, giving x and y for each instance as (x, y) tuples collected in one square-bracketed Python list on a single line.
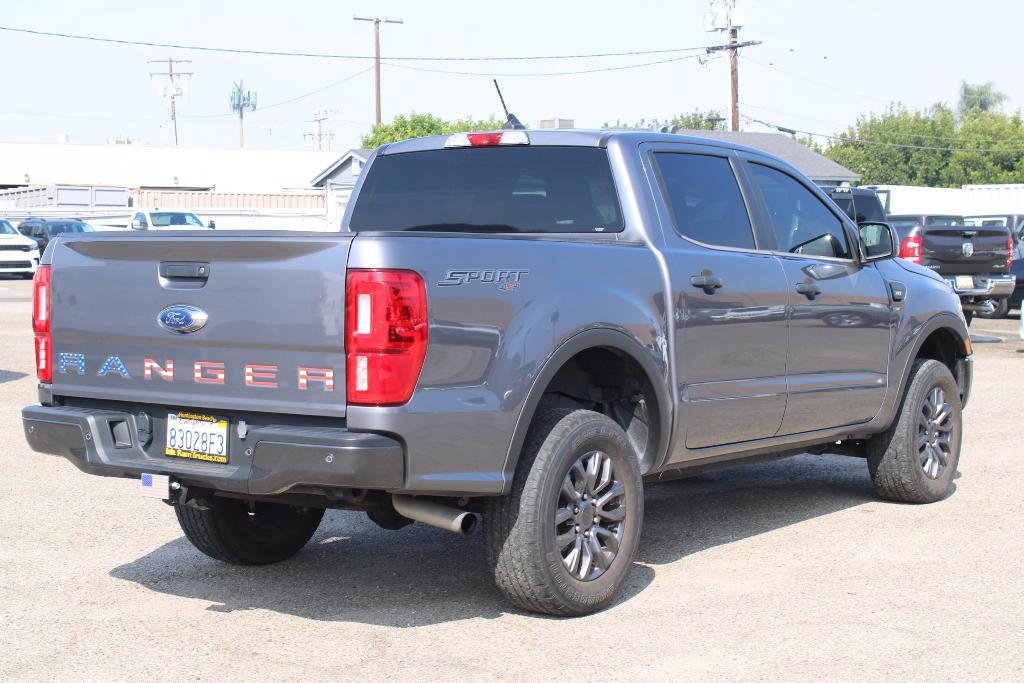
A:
[(590, 516), (934, 433)]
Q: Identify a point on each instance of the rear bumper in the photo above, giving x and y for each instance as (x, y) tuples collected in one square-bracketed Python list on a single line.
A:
[(269, 460), (986, 286)]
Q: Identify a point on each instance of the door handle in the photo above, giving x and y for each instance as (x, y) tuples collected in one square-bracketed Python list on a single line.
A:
[(706, 282), (185, 270), (808, 289)]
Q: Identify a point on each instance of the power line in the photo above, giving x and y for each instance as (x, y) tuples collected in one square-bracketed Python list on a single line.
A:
[(810, 80), (324, 55), (492, 74), (290, 100), (848, 125), (858, 141)]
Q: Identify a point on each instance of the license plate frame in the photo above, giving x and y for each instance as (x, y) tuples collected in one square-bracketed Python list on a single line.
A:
[(964, 281), (184, 437)]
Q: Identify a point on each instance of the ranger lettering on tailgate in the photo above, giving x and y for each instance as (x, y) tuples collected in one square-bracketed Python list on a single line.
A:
[(202, 372)]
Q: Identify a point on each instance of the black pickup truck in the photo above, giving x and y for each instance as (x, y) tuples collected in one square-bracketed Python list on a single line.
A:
[(974, 259)]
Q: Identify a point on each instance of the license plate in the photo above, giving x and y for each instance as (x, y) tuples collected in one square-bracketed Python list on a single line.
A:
[(155, 486), (197, 437), (965, 282)]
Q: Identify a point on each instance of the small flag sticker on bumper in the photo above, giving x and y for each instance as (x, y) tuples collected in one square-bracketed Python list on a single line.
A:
[(155, 486)]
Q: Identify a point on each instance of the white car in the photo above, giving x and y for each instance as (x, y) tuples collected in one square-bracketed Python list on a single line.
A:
[(167, 220), (19, 255)]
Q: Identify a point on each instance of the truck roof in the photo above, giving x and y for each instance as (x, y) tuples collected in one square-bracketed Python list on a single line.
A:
[(577, 137)]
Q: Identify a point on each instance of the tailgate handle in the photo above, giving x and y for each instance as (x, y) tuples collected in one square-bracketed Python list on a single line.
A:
[(178, 270)]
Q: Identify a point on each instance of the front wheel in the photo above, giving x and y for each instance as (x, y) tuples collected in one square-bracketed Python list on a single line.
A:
[(914, 461), (562, 542), (239, 532)]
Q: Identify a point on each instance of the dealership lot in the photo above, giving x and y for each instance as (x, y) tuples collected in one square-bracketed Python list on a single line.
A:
[(783, 570)]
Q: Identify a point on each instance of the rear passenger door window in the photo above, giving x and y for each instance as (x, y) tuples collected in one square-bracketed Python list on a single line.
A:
[(802, 223), (702, 192)]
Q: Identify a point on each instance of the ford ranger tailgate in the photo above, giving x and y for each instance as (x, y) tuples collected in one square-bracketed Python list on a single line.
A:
[(243, 321)]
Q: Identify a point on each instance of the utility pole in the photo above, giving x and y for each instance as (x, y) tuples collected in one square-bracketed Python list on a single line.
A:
[(377, 21), (734, 72), (175, 86), (725, 16), (319, 118), (242, 100)]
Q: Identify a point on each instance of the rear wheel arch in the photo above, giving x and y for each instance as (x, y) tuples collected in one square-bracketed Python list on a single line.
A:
[(558, 372)]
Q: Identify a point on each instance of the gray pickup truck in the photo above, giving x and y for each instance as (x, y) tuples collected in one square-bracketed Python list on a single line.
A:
[(526, 326)]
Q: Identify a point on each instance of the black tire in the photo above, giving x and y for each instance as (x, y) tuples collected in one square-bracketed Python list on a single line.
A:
[(1002, 310), (895, 457), (520, 529), (226, 530)]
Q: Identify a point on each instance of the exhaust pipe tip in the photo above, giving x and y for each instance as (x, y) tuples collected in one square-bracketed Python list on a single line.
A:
[(468, 524), (436, 514)]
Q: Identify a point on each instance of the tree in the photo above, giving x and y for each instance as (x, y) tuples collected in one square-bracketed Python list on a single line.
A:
[(987, 130), (421, 125), (979, 97), (895, 147), (695, 120)]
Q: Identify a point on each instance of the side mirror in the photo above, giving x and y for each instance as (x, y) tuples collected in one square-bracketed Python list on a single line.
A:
[(136, 224), (878, 240), (213, 225)]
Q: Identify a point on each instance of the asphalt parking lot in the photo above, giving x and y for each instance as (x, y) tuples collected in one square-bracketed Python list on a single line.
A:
[(790, 570)]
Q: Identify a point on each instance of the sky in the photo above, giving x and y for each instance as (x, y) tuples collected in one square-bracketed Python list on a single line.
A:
[(822, 64)]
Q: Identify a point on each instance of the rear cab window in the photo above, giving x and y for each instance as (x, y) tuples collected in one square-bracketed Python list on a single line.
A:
[(530, 189), (944, 222), (704, 198)]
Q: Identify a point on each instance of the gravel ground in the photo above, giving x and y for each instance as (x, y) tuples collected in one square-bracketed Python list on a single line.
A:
[(791, 570)]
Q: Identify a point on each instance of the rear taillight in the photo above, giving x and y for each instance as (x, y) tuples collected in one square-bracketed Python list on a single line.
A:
[(910, 249), (1009, 253), (41, 323), (385, 335)]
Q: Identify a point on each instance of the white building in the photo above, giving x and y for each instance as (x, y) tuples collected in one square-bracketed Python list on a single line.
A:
[(159, 167)]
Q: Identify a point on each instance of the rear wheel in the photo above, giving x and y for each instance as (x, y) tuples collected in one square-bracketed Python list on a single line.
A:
[(239, 532), (1002, 310), (914, 461), (562, 542)]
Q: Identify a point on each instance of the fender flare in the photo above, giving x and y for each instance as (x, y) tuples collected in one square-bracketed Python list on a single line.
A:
[(941, 321), (589, 339)]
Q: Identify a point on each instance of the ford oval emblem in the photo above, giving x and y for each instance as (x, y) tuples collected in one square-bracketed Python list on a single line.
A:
[(182, 318)]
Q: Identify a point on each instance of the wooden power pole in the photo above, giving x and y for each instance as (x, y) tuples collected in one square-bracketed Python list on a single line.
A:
[(728, 18), (734, 74), (377, 21), (174, 87)]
